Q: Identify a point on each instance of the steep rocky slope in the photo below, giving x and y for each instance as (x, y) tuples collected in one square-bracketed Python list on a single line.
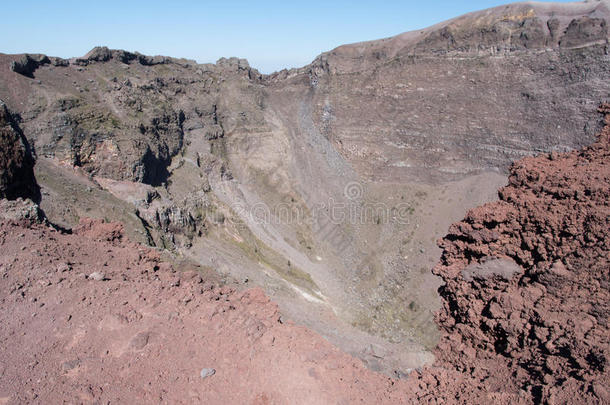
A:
[(16, 160), (461, 96), (244, 172)]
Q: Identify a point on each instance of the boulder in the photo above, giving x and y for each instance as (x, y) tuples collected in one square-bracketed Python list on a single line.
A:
[(27, 64), (99, 54)]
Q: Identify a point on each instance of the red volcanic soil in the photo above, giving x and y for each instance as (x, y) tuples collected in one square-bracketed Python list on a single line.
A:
[(91, 317)]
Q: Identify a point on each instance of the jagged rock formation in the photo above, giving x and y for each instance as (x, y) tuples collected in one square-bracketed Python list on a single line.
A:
[(407, 132), (27, 64), (526, 295), (138, 148), (21, 211), (16, 160)]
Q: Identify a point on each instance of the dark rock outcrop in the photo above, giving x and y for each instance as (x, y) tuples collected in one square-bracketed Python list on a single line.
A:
[(104, 54), (27, 64), (16, 160), (152, 60), (584, 30), (99, 54), (96, 140)]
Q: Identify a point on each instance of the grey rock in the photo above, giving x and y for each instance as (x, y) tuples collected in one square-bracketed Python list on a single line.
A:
[(63, 267), (207, 372), (584, 30), (99, 54), (60, 62), (69, 365), (27, 64), (123, 56), (152, 60), (97, 276), (139, 341), (500, 267), (233, 63)]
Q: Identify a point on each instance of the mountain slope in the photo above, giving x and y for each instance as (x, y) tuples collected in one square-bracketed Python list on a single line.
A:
[(327, 185)]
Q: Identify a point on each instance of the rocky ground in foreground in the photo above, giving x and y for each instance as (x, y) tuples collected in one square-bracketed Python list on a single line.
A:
[(89, 316)]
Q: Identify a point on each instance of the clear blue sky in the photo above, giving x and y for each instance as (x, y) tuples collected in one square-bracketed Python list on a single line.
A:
[(271, 34)]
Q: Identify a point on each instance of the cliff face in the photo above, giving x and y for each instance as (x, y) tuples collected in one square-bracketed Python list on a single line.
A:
[(460, 97), (526, 295), (16, 160), (433, 105)]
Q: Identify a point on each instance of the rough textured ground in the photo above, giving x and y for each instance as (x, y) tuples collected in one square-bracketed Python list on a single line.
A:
[(422, 125), (91, 317)]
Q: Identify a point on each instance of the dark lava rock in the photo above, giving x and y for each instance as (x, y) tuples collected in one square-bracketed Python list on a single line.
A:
[(584, 30), (16, 160), (152, 60), (99, 54), (27, 64)]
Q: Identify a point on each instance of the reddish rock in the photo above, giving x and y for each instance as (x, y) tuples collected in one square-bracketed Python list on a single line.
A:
[(98, 230), (543, 329), (147, 332)]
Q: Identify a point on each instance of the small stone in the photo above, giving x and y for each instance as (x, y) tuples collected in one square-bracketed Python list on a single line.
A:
[(97, 276), (63, 267), (496, 311), (69, 365), (207, 372), (139, 341), (469, 352)]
